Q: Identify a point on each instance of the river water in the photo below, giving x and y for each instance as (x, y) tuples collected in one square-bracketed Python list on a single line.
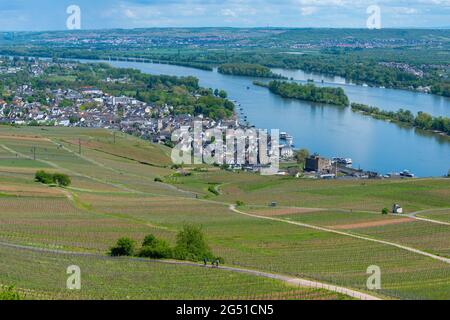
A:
[(335, 131)]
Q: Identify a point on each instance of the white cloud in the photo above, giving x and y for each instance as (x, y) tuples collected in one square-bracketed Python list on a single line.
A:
[(228, 13), (405, 10), (307, 11)]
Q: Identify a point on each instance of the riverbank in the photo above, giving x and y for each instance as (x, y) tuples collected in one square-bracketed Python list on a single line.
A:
[(328, 130), (423, 121)]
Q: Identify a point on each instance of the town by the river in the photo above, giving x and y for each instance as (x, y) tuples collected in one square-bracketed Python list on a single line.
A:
[(332, 131)]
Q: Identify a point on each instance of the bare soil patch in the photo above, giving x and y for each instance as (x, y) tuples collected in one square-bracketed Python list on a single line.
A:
[(370, 224)]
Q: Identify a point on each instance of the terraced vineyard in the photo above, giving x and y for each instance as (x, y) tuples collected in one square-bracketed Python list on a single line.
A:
[(114, 194)]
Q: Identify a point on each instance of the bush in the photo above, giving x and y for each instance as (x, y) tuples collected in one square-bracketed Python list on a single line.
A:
[(240, 203), (158, 180), (159, 249), (9, 294), (213, 190), (44, 177), (62, 180), (191, 245), (124, 247), (385, 211), (149, 241)]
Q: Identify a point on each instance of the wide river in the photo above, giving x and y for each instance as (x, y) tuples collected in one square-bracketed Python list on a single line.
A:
[(335, 131)]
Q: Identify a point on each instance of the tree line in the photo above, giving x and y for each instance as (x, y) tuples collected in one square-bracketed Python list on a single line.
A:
[(308, 92), (422, 120), (248, 69)]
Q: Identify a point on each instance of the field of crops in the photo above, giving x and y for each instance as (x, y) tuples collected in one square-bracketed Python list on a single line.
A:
[(40, 275), (370, 195), (426, 236), (114, 194), (440, 215)]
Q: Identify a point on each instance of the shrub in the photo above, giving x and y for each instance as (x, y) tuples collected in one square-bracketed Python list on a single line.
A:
[(240, 203), (213, 190), (44, 177), (385, 211), (159, 249), (124, 247), (9, 294), (62, 180), (158, 180), (149, 241), (191, 245)]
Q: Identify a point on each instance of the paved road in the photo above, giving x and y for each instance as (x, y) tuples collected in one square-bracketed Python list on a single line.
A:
[(290, 280)]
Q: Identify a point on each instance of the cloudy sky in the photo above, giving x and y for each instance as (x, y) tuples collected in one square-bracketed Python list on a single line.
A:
[(31, 15)]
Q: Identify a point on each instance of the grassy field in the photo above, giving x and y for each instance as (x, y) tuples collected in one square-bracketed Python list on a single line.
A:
[(114, 194)]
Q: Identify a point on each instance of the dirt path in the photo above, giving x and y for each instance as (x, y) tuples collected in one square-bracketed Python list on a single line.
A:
[(289, 280), (369, 224), (413, 215), (423, 253)]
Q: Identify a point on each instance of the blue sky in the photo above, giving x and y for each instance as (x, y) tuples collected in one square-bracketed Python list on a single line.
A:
[(32, 15)]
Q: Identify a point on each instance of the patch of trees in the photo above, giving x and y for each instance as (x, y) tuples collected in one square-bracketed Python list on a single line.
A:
[(59, 179), (301, 156), (307, 92), (190, 245), (423, 120), (442, 89), (248, 69)]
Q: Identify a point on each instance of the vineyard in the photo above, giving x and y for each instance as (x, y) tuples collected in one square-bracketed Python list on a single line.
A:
[(114, 194), (39, 275)]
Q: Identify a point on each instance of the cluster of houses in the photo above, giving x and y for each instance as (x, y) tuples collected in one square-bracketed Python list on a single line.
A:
[(92, 108)]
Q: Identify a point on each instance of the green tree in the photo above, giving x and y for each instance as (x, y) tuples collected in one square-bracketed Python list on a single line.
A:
[(44, 177), (424, 121), (155, 248), (149, 241), (62, 180), (223, 94), (124, 247), (301, 156), (191, 244), (385, 211)]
